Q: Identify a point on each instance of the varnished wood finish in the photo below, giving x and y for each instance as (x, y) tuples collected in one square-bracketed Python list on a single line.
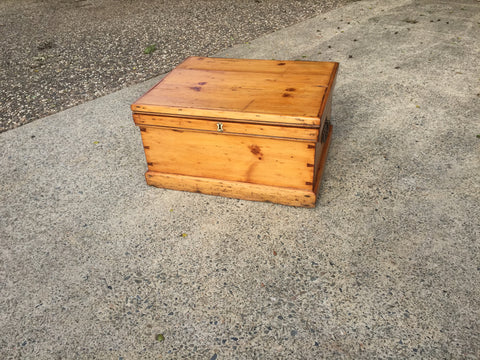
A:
[(241, 190), (232, 128), (237, 158), (248, 129), (233, 189), (289, 92)]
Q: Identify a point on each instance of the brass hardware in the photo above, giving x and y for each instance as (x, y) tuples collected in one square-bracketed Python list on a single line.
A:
[(219, 127)]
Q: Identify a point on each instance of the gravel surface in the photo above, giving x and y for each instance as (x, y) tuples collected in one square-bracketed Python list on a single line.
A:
[(60, 53)]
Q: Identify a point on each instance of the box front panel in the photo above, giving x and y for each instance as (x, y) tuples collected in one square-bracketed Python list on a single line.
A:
[(256, 160)]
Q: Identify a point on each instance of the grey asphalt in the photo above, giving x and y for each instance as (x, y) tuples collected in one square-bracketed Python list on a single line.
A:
[(94, 264)]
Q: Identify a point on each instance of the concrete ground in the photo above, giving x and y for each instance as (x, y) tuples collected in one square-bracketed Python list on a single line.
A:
[(95, 264)]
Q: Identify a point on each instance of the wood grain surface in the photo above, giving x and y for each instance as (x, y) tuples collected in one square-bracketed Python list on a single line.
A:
[(233, 189), (250, 129), (256, 160), (290, 92), (228, 127)]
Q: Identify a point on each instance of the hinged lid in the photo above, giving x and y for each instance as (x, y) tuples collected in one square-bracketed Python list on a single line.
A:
[(258, 91)]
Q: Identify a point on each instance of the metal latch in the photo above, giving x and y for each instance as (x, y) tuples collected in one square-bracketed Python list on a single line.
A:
[(219, 127)]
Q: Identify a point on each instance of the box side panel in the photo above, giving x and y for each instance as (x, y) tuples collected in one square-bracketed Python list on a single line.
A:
[(322, 160), (325, 129), (256, 160)]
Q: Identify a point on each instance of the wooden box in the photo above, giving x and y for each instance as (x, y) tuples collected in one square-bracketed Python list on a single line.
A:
[(247, 129)]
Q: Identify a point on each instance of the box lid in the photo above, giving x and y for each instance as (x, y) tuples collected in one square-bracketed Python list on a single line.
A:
[(258, 91)]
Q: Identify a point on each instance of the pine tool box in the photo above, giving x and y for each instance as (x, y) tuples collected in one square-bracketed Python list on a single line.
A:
[(247, 129)]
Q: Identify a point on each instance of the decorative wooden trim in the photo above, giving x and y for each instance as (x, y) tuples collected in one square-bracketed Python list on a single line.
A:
[(232, 189)]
